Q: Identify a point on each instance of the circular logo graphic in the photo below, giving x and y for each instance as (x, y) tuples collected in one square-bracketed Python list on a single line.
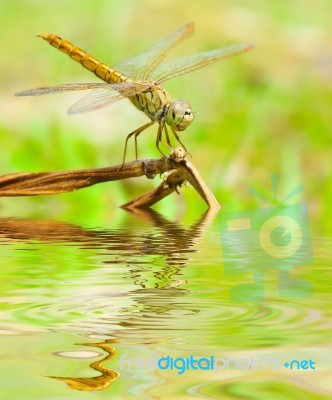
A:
[(280, 236)]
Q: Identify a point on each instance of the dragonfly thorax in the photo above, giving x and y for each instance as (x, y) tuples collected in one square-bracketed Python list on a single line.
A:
[(179, 115)]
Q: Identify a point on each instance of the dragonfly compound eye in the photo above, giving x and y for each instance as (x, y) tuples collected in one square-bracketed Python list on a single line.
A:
[(179, 115)]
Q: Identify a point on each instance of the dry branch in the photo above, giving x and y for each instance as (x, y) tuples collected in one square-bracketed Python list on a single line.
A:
[(180, 170)]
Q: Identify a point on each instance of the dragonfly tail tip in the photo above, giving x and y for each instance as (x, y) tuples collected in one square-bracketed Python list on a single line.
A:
[(43, 35), (190, 27)]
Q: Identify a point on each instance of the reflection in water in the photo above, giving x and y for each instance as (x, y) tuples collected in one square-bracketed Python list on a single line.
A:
[(169, 239), (99, 382), (152, 285), (152, 259)]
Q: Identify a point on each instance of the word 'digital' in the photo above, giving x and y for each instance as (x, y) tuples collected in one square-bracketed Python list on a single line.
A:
[(211, 363)]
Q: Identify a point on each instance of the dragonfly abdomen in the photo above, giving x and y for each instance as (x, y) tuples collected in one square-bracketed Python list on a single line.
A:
[(101, 70)]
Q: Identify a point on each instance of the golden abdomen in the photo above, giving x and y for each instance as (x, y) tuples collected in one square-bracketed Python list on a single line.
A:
[(101, 70)]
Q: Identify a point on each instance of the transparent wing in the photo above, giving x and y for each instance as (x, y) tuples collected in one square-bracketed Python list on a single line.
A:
[(183, 65), (142, 65), (69, 87), (102, 94), (94, 100)]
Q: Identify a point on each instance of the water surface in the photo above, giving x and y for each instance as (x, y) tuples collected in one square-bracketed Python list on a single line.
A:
[(81, 304)]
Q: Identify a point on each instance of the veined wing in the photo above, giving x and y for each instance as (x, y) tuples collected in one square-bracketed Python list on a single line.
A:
[(101, 95), (107, 94), (142, 65), (69, 87), (183, 65)]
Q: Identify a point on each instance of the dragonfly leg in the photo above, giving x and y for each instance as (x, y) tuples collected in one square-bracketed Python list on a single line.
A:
[(136, 133), (178, 139), (167, 138), (159, 137)]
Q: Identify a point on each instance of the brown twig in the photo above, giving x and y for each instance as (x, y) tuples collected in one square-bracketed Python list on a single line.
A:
[(185, 171), (180, 170), (37, 183)]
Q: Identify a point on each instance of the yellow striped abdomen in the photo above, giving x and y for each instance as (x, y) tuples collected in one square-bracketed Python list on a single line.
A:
[(101, 70)]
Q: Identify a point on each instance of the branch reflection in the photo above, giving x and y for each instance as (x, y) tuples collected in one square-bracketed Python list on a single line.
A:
[(153, 252), (98, 382)]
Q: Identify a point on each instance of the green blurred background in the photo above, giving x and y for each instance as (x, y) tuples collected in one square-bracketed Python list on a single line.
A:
[(266, 111)]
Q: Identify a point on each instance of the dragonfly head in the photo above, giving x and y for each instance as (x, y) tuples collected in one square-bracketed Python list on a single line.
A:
[(179, 115)]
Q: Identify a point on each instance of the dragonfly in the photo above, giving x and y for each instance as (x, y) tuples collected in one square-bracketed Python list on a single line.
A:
[(140, 79)]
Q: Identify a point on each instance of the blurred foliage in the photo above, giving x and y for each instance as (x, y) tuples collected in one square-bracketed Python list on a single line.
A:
[(262, 112)]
